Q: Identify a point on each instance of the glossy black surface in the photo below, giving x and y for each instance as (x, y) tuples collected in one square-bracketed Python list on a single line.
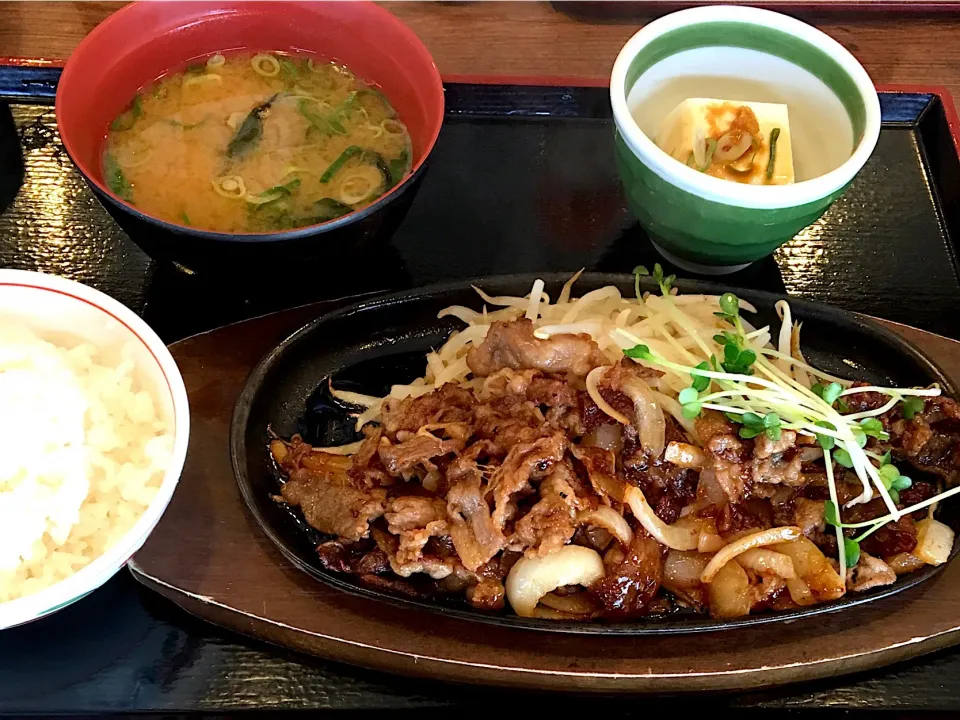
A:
[(380, 342), (552, 203)]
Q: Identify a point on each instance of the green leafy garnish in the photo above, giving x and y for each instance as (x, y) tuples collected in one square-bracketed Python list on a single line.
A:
[(352, 151), (275, 193), (115, 179), (829, 393), (912, 406), (184, 218), (901, 483), (842, 457), (754, 425), (771, 163), (374, 93), (317, 122), (827, 442), (736, 360), (851, 548), (665, 283), (893, 481), (397, 168), (126, 120), (691, 410), (342, 112), (328, 209), (874, 428), (831, 514), (859, 436), (689, 400), (638, 272), (711, 148), (289, 71), (700, 382), (250, 131), (730, 304), (638, 352)]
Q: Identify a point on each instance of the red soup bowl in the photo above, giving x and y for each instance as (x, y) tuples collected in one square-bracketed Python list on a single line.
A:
[(144, 40)]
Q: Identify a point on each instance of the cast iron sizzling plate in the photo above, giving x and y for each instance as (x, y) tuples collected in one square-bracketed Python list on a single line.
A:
[(374, 344)]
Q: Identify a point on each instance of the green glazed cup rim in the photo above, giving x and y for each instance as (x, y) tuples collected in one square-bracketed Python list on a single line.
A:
[(842, 64)]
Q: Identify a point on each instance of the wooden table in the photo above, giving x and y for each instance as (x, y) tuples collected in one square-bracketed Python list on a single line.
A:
[(534, 39)]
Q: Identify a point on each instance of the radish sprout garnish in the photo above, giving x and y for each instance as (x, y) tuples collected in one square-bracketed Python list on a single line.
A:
[(739, 380)]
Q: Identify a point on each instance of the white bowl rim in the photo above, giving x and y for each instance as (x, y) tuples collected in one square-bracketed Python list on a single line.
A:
[(768, 197), (90, 577)]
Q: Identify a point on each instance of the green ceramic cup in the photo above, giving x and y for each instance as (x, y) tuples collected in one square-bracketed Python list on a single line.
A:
[(706, 224)]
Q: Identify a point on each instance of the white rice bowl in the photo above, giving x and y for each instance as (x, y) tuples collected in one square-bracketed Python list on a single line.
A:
[(94, 427)]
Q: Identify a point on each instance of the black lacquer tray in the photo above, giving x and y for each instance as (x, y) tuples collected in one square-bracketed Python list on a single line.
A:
[(522, 180)]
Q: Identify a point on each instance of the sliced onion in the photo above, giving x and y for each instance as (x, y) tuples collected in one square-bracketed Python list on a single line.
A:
[(813, 567), (577, 604), (684, 455), (748, 542), (800, 592), (700, 148), (673, 536), (934, 542), (647, 416), (729, 595), (709, 489), (767, 562), (532, 578), (730, 147), (682, 570), (326, 462), (608, 437), (545, 613), (593, 381), (709, 541), (610, 520), (903, 563)]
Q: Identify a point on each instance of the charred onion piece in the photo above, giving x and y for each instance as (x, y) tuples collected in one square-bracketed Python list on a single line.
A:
[(647, 416), (532, 578), (753, 540), (610, 520), (673, 536)]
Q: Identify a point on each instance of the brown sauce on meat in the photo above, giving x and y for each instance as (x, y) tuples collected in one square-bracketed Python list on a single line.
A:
[(454, 487)]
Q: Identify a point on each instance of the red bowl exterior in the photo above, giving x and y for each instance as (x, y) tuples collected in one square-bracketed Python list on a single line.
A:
[(142, 41)]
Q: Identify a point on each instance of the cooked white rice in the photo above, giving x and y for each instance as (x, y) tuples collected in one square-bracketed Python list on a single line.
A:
[(83, 450)]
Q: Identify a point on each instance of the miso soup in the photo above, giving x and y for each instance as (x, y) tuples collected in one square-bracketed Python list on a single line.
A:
[(256, 143)]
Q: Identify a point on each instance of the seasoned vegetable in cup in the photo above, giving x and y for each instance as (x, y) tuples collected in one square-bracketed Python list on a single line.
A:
[(256, 143)]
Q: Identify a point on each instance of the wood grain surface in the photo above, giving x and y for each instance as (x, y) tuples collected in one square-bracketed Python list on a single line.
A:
[(208, 556), (536, 39)]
